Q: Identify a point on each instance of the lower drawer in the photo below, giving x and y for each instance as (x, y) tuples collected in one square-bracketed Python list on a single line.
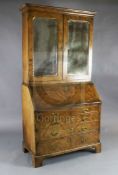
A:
[(67, 143)]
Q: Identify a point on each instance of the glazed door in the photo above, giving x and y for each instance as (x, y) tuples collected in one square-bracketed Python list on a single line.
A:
[(45, 46), (77, 48)]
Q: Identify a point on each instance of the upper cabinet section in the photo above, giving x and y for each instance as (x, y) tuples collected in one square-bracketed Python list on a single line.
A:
[(57, 44)]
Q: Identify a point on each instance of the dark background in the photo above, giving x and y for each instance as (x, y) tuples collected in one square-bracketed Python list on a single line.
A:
[(104, 75)]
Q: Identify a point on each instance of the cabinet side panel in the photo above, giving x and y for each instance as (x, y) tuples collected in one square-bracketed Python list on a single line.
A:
[(28, 119), (25, 47)]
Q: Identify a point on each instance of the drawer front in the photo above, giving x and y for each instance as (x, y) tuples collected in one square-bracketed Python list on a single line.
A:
[(57, 131), (58, 124), (67, 143)]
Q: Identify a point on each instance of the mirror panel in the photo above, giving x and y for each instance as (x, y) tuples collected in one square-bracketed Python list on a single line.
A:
[(45, 46), (78, 48)]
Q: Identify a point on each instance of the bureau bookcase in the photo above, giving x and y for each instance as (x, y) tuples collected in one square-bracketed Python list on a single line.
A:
[(60, 104)]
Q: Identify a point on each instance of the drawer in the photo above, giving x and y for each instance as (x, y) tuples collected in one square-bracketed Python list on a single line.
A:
[(67, 143), (57, 131), (80, 114)]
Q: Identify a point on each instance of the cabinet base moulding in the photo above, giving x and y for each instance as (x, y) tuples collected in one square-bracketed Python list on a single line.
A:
[(37, 161)]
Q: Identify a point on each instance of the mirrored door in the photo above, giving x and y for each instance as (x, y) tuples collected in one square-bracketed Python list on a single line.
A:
[(46, 45), (77, 48)]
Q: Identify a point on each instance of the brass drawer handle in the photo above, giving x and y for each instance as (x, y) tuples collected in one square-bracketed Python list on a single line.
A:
[(54, 133), (71, 129), (86, 110), (84, 117), (84, 128)]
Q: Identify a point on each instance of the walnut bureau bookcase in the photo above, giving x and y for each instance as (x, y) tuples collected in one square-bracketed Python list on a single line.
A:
[(61, 106)]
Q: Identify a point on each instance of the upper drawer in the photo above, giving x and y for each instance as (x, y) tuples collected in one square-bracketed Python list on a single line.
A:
[(80, 114)]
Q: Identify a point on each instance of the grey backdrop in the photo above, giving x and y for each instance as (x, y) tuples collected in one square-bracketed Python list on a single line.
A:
[(104, 75)]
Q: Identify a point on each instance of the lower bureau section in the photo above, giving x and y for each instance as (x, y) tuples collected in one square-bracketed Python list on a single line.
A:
[(67, 143), (61, 126), (59, 131)]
